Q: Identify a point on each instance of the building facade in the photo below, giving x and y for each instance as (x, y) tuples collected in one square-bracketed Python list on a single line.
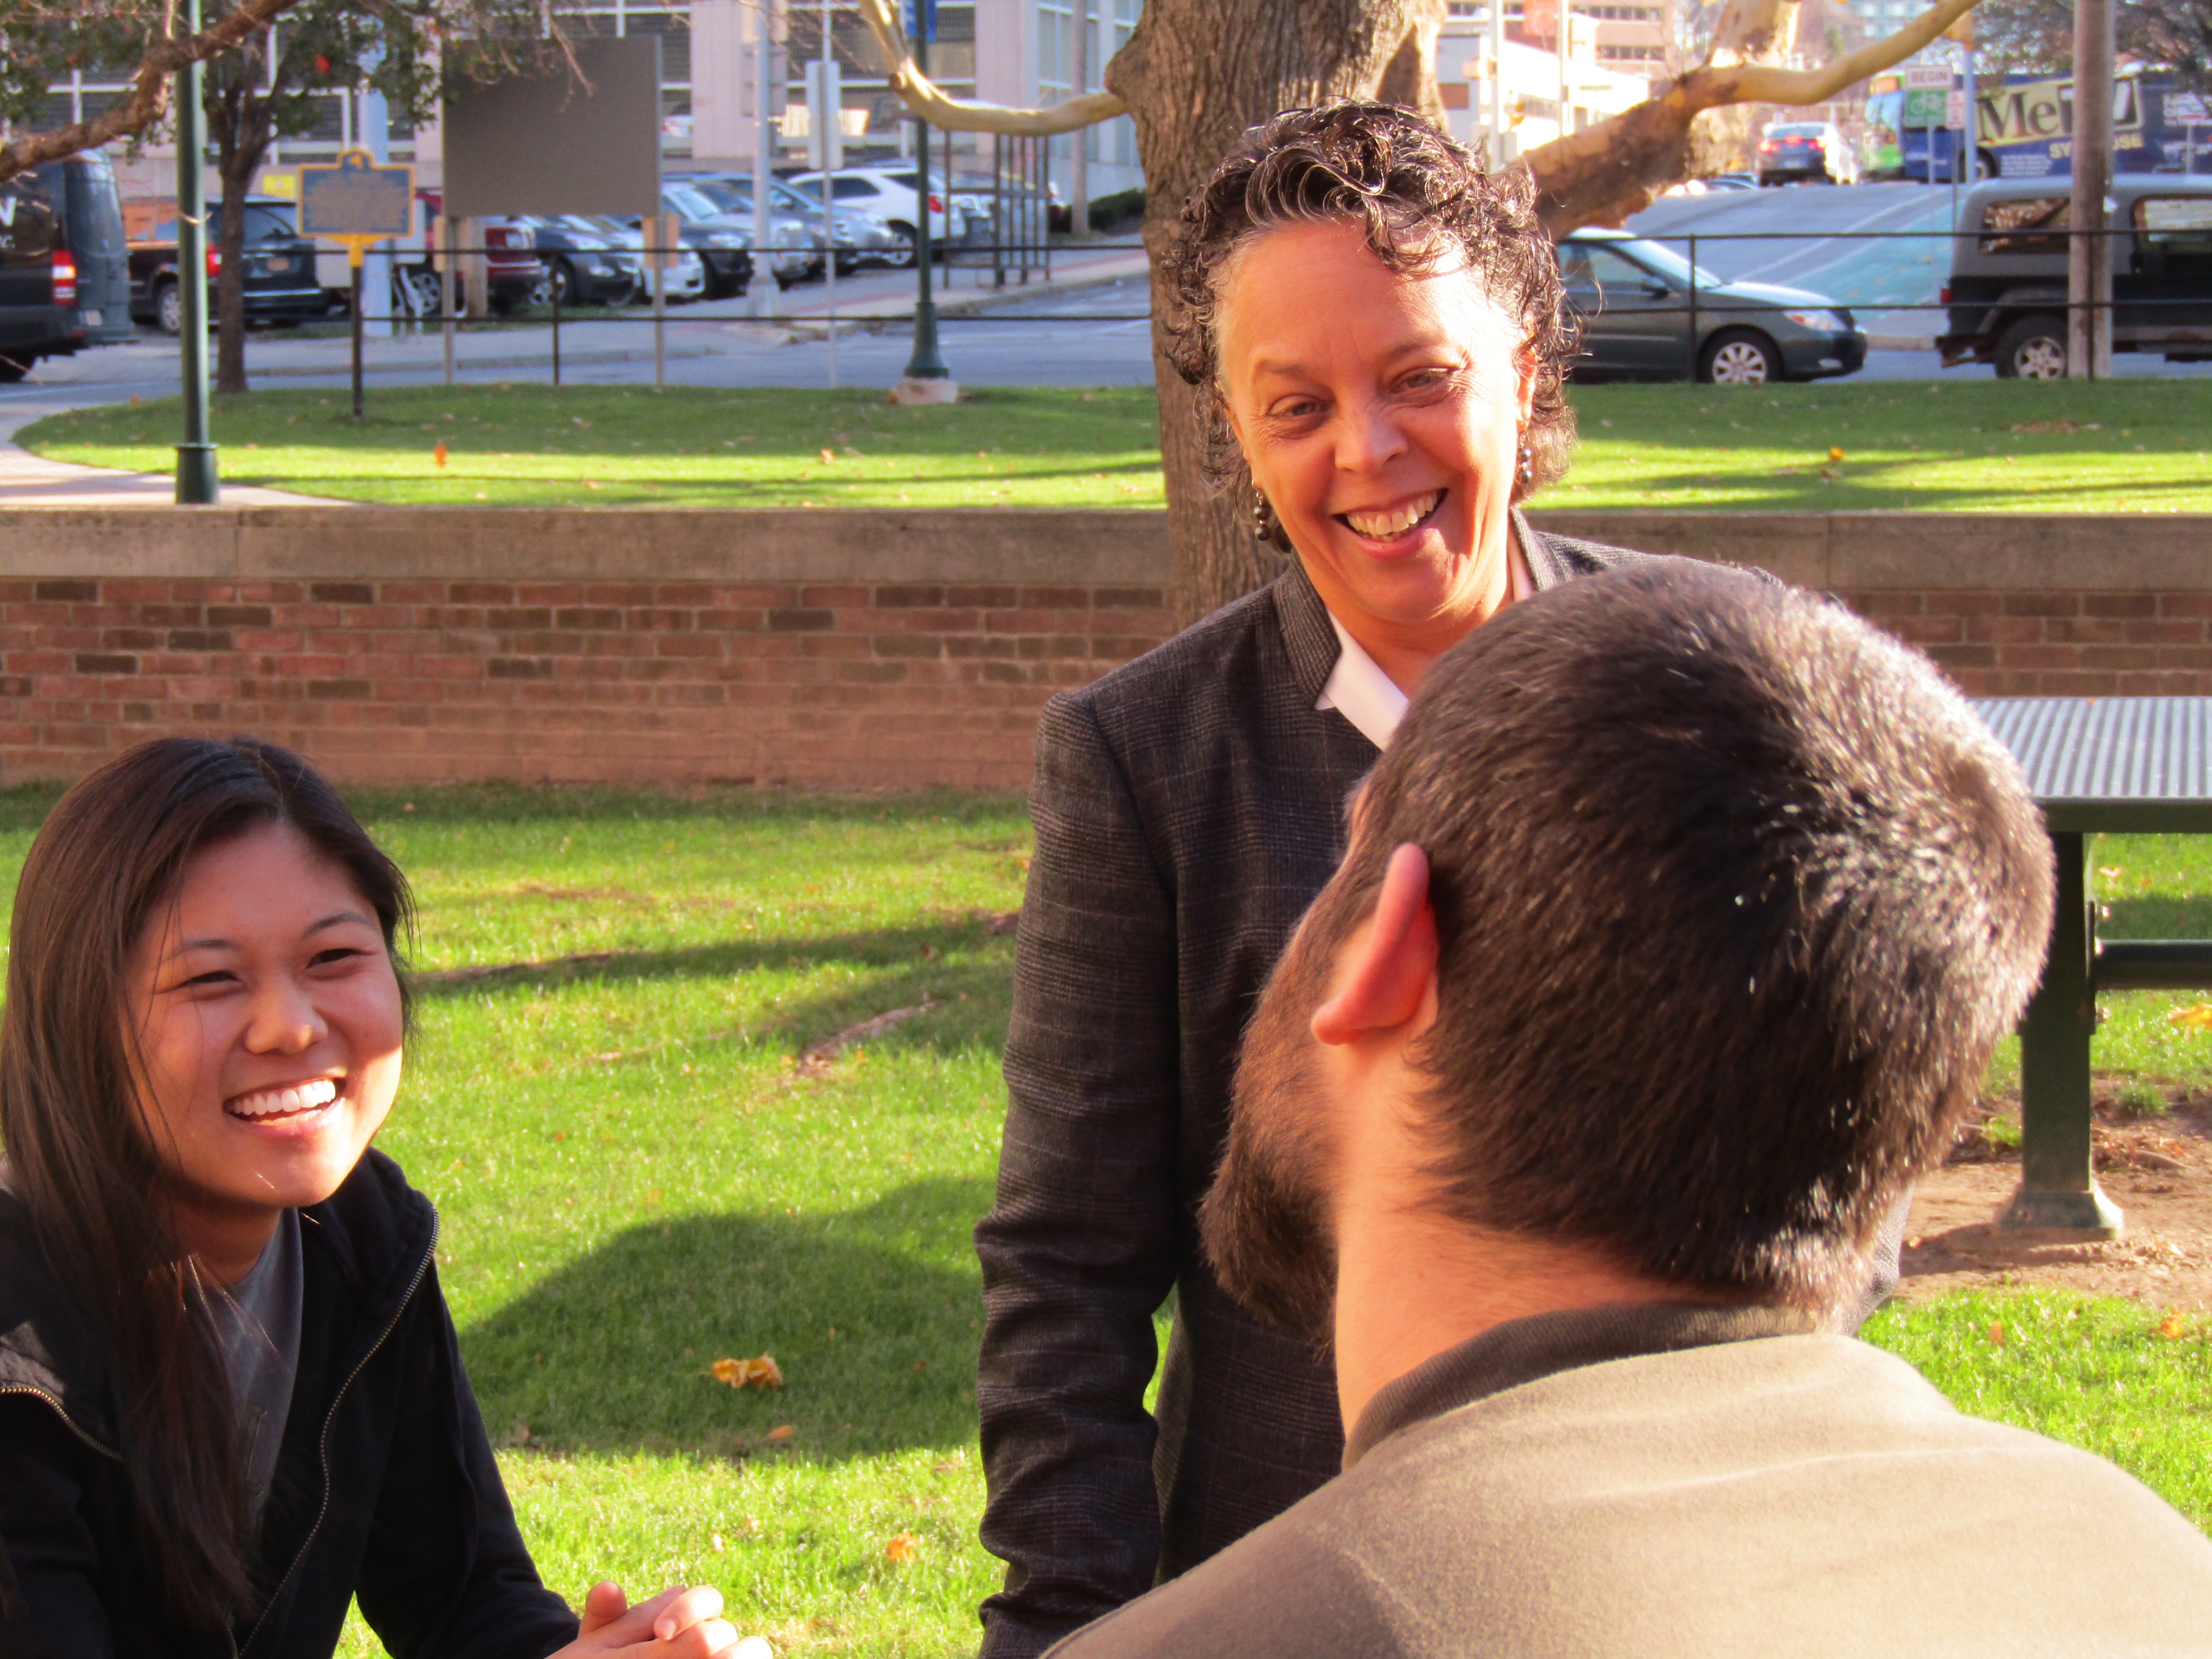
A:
[(1007, 51)]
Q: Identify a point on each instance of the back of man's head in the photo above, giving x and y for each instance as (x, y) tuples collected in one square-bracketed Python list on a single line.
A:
[(1734, 896)]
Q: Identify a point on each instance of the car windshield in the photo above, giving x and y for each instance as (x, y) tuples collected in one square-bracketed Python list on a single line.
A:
[(1658, 257), (1793, 132), (690, 203), (726, 198)]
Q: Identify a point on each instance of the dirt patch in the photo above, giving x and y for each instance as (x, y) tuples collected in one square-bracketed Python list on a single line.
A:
[(2157, 1169)]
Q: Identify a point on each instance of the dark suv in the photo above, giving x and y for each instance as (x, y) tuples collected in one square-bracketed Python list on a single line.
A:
[(2008, 290), (280, 270), (63, 285)]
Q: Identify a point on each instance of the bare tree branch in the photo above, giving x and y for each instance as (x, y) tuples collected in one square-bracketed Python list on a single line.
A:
[(949, 114), (149, 90), (1606, 172)]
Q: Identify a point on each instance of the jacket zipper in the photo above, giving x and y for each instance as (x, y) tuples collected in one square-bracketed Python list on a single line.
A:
[(67, 1421), (415, 1284)]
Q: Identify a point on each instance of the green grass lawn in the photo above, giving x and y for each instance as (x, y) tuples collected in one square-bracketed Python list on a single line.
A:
[(528, 445), (639, 1174), (1958, 445)]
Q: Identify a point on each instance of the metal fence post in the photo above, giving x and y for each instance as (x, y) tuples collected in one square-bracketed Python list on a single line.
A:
[(445, 284), (1694, 308), (2058, 1182), (556, 283)]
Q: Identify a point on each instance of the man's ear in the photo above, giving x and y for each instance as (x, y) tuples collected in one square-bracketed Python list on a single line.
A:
[(1386, 967)]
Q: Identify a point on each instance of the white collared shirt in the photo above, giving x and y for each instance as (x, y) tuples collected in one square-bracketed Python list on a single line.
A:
[(1357, 688)]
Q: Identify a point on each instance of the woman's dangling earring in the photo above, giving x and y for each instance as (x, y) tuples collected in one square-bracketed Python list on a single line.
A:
[(1263, 517), (1527, 461)]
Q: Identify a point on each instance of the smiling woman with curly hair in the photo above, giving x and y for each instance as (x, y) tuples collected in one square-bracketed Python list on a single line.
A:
[(1375, 326)]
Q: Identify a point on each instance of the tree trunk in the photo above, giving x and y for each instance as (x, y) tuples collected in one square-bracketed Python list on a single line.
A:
[(1195, 74), (242, 142)]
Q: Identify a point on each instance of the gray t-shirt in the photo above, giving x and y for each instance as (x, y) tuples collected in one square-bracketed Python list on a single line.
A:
[(257, 1322)]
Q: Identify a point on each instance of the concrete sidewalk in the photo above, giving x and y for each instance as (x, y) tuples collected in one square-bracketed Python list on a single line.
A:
[(28, 480)]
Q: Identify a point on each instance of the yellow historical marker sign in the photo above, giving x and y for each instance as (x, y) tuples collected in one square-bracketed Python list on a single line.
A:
[(357, 202)]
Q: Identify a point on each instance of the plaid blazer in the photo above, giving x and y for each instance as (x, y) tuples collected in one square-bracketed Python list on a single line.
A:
[(1189, 806)]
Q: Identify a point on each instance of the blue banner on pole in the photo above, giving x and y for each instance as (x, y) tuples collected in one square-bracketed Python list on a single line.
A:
[(921, 19)]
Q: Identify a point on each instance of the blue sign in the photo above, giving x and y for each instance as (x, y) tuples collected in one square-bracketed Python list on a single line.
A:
[(356, 197), (921, 19)]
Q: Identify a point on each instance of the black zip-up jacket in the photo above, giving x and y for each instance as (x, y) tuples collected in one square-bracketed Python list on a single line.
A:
[(384, 1488)]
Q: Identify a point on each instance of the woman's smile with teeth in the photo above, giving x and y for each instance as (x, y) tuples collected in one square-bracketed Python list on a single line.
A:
[(285, 1101), (1382, 525)]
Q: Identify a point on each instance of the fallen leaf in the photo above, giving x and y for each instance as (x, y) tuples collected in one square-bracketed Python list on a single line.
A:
[(2197, 1018), (1835, 453), (2173, 1327), (716, 1539), (758, 1373), (2113, 870), (1997, 1335), (781, 1431), (829, 457), (438, 454), (904, 1547)]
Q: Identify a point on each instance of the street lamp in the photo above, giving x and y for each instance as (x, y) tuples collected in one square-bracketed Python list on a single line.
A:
[(928, 380), (196, 484)]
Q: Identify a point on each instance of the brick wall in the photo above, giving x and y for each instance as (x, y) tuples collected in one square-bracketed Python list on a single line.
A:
[(889, 685), (851, 650), (2062, 643)]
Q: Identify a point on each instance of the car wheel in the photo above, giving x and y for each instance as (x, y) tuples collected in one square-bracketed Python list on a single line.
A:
[(168, 309), (1741, 357), (2032, 348), (541, 291), (900, 256)]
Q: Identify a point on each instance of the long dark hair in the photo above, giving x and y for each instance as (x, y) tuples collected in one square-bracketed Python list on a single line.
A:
[(107, 858)]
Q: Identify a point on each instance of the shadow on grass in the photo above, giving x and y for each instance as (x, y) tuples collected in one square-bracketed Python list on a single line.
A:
[(925, 962), (612, 1354)]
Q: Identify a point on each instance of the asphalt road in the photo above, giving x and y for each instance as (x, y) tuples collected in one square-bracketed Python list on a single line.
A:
[(1091, 336)]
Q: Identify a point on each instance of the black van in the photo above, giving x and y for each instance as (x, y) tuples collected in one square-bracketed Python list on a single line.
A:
[(2008, 290), (64, 275)]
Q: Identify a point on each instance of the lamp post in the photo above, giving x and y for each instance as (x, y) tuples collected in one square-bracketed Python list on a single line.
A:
[(197, 484), (928, 380)]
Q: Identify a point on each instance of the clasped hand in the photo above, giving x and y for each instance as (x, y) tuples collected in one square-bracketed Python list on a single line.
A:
[(676, 1624)]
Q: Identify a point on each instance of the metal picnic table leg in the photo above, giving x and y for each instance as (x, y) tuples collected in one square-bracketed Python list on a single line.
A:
[(2058, 1192)]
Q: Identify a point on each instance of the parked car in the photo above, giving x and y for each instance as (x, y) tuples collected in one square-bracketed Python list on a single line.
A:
[(686, 278), (795, 238), (64, 284), (2007, 295), (1632, 298), (1810, 150), (512, 275), (721, 247), (587, 261), (888, 194), (280, 279)]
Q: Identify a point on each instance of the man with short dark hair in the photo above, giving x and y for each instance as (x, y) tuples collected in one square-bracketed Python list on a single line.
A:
[(1679, 923)]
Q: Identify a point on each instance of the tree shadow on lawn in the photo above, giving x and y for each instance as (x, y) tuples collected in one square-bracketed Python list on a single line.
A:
[(970, 992), (612, 1354)]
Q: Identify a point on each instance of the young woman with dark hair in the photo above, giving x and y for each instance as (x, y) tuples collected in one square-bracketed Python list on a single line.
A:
[(231, 1398)]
